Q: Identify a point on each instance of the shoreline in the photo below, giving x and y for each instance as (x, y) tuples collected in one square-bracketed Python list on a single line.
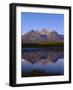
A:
[(40, 45)]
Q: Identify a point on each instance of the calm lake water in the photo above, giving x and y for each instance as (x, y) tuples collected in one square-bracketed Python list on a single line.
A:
[(42, 62)]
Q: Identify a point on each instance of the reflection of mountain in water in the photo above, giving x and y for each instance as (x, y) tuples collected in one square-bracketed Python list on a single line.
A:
[(42, 56)]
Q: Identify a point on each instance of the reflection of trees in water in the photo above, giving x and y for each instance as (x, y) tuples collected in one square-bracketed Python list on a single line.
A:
[(42, 56)]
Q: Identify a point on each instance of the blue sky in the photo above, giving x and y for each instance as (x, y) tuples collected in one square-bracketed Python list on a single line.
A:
[(38, 21)]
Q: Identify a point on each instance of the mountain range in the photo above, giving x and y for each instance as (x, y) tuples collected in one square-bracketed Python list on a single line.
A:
[(42, 36)]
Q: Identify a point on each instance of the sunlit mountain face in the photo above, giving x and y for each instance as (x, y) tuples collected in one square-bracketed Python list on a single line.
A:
[(44, 35)]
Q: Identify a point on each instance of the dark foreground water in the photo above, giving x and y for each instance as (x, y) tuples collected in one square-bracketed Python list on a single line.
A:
[(42, 62)]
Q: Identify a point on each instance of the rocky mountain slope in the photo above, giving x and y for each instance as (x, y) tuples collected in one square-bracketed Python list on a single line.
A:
[(42, 36)]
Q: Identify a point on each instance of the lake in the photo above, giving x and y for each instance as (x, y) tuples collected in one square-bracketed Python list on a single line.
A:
[(42, 61)]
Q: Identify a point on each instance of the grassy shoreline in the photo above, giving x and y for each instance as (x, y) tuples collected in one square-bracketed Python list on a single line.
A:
[(48, 44)]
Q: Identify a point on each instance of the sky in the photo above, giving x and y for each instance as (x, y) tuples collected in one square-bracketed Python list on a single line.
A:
[(39, 21)]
